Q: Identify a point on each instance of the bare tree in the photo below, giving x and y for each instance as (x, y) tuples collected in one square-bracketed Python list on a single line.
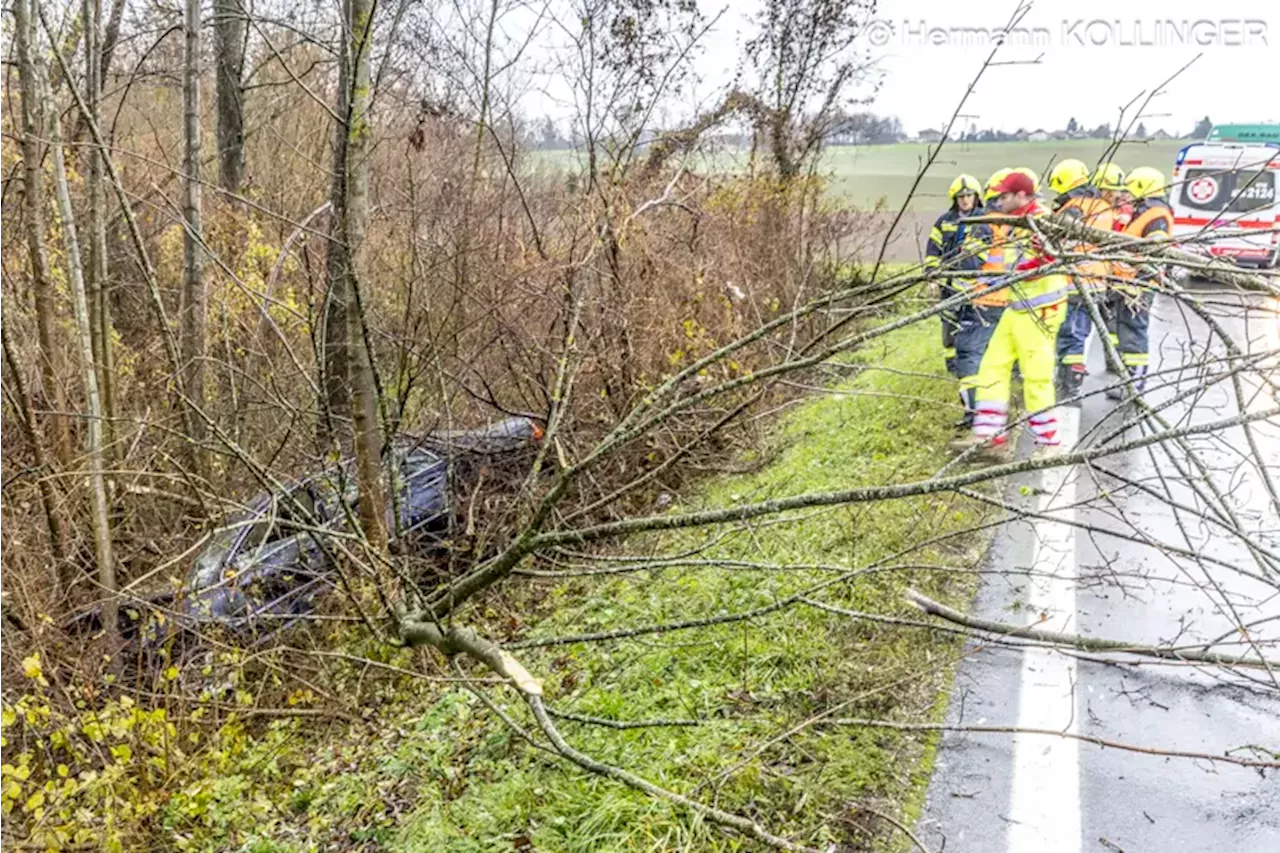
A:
[(30, 73), (230, 29), (805, 57), (351, 385), (96, 271), (193, 315), (101, 522)]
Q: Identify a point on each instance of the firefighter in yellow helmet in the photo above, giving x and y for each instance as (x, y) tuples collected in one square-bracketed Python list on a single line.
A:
[(989, 193), (1077, 198), (1109, 179), (943, 250), (1026, 332), (1131, 300)]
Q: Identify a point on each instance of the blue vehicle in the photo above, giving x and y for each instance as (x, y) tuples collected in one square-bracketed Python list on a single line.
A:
[(271, 563)]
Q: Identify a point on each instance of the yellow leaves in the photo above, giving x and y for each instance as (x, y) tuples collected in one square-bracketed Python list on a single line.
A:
[(63, 771), (34, 805), (8, 716), (123, 753), (171, 673), (31, 667)]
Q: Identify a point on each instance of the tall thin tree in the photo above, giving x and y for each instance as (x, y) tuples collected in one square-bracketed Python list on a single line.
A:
[(230, 26), (51, 361), (193, 317), (103, 549), (353, 378), (30, 73)]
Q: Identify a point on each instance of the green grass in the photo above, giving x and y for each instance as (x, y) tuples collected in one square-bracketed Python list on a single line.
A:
[(867, 175), (747, 681), (428, 767)]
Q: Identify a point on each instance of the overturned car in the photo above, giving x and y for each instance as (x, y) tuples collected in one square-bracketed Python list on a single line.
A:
[(273, 562)]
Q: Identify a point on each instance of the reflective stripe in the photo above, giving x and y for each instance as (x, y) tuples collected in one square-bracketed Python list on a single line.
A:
[(1045, 429), (1135, 359), (948, 352), (1073, 358), (1155, 212), (1032, 302)]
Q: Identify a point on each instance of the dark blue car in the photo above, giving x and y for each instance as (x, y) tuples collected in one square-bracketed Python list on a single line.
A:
[(271, 563)]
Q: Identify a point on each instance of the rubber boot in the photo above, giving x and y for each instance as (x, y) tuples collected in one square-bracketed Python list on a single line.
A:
[(1138, 374), (1072, 382), (967, 400)]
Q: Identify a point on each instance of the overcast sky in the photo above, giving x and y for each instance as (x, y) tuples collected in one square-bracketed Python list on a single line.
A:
[(1094, 57)]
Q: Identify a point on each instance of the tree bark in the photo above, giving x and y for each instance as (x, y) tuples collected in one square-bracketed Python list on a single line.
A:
[(96, 269), (230, 26), (30, 75), (93, 403), (335, 381), (193, 316), (368, 437)]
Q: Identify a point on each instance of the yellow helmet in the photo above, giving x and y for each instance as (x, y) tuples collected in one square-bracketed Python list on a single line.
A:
[(1144, 182), (964, 184), (1035, 179), (1109, 176), (994, 181), (1068, 175)]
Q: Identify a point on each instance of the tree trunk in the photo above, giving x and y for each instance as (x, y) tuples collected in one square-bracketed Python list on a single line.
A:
[(193, 316), (31, 74), (335, 381), (351, 203), (96, 269), (93, 403), (230, 26)]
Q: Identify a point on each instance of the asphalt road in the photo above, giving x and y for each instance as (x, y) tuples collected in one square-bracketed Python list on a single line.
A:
[(1020, 793)]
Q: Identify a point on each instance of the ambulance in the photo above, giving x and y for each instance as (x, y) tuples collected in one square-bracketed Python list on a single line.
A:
[(1223, 194)]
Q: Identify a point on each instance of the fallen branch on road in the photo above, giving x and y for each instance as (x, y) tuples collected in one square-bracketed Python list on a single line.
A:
[(1090, 644)]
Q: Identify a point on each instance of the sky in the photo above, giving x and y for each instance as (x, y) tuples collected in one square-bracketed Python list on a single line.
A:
[(1094, 57), (1081, 58)]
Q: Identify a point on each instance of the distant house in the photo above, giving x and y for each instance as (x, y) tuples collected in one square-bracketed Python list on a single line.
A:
[(1059, 134), (1038, 135), (1020, 135), (1161, 134), (929, 135)]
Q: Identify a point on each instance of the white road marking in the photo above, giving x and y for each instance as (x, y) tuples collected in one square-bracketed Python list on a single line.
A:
[(1045, 808)]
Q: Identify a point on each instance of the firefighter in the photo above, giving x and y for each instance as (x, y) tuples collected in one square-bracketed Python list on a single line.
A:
[(1131, 300), (1027, 330), (989, 193), (1109, 179), (1078, 199), (944, 247), (978, 319)]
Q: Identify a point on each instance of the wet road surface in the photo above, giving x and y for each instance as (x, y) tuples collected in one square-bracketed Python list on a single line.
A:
[(1024, 792)]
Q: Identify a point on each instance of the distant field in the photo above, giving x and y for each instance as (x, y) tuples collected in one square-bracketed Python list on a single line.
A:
[(869, 174), (872, 174)]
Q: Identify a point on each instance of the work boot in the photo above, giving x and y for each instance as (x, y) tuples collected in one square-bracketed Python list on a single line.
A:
[(1139, 375), (1071, 379)]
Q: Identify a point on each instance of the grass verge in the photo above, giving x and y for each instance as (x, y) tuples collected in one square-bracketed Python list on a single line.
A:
[(746, 682), (427, 767)]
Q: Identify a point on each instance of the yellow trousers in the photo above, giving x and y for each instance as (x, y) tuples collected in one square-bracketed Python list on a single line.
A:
[(1028, 339)]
